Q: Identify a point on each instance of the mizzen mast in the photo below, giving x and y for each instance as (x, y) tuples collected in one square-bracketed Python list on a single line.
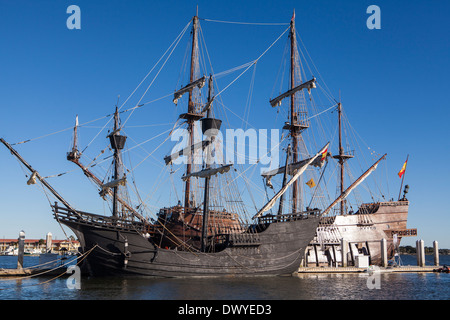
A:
[(342, 157)]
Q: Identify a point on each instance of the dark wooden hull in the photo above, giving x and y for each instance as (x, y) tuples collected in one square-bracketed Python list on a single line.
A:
[(278, 250)]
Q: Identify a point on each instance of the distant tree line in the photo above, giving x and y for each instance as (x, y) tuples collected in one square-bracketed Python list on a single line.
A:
[(428, 250)]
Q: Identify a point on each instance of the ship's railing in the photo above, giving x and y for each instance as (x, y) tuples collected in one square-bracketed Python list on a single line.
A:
[(387, 203), (288, 217), (402, 232), (67, 215), (244, 239)]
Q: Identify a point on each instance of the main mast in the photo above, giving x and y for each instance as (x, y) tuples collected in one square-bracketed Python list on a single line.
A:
[(294, 130), (191, 116), (295, 127)]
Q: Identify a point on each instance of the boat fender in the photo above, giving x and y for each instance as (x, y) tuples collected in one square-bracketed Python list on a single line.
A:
[(126, 256)]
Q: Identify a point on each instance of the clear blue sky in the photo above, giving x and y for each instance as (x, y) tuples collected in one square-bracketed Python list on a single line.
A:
[(393, 82)]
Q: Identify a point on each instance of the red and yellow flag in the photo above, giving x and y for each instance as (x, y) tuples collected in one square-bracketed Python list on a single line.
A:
[(324, 154), (402, 171)]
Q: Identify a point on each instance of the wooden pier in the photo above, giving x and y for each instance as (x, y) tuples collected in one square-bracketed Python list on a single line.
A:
[(31, 272), (15, 272)]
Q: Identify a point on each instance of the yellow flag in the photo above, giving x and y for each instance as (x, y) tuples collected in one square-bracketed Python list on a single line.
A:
[(311, 183)]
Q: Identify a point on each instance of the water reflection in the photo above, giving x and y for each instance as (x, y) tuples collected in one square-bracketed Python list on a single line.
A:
[(404, 286)]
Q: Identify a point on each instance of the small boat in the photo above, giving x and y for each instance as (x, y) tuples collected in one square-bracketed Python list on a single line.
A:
[(444, 269), (10, 251)]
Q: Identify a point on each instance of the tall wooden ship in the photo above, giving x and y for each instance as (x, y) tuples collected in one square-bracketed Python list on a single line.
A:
[(210, 231), (192, 238)]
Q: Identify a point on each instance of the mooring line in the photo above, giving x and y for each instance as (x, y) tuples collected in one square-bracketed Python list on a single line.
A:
[(84, 255)]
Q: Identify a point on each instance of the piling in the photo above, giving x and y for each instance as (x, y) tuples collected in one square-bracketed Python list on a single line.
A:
[(21, 241), (48, 243), (344, 248), (384, 258), (418, 252), (420, 249), (436, 253)]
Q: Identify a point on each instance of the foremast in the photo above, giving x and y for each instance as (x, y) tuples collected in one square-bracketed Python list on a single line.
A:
[(117, 144)]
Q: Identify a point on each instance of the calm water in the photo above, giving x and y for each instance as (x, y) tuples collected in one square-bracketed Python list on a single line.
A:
[(393, 286)]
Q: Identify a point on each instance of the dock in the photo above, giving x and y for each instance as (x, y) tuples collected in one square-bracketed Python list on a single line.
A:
[(304, 270), (29, 272), (16, 272)]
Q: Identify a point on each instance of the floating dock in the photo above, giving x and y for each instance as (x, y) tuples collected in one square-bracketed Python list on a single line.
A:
[(303, 270)]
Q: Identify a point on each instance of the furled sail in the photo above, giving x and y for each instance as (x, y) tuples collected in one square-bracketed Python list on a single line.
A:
[(353, 185), (192, 148), (208, 172), (32, 179), (318, 162), (199, 83), (297, 174), (207, 106), (306, 85), (115, 183)]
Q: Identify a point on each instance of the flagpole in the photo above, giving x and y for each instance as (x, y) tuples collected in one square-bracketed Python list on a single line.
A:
[(403, 178)]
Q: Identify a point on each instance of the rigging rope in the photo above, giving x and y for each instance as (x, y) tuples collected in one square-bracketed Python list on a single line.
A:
[(255, 61), (83, 256), (157, 74), (180, 35), (49, 134), (248, 23)]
